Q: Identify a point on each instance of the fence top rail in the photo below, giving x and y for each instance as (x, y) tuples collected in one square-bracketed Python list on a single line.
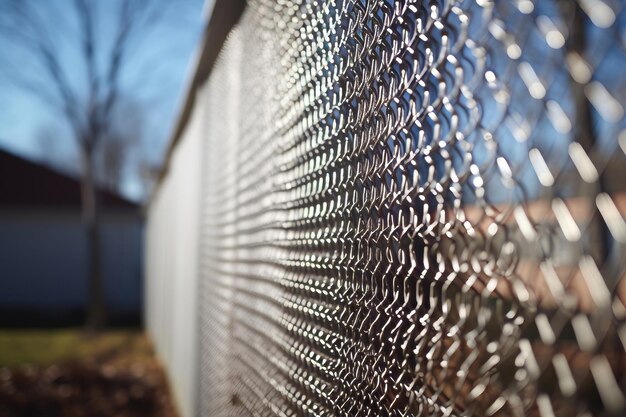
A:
[(224, 16)]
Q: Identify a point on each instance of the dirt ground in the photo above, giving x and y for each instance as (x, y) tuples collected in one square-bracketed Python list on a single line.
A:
[(68, 374)]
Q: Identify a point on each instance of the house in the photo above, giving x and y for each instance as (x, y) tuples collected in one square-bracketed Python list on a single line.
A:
[(43, 251)]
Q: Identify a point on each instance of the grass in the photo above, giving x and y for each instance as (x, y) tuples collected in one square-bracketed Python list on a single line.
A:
[(45, 347), (67, 373)]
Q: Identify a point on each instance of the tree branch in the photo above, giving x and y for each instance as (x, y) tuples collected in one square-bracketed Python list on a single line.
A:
[(32, 36), (88, 47)]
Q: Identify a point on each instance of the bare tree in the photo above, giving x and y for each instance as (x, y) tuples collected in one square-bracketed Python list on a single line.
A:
[(120, 149), (119, 157), (86, 101)]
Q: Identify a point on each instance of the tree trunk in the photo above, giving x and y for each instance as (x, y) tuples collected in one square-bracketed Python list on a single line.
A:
[(96, 312), (600, 238)]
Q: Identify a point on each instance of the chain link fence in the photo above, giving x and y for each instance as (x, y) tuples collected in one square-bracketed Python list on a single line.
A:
[(416, 208)]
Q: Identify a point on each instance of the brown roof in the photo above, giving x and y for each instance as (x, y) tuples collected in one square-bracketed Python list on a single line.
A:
[(24, 183)]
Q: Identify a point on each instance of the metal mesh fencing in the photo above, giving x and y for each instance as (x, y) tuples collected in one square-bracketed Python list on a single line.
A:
[(416, 208)]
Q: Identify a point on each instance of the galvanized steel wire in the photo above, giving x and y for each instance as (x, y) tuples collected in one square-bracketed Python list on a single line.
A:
[(416, 208)]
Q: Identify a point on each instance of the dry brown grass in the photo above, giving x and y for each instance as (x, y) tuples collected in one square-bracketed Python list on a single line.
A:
[(67, 374)]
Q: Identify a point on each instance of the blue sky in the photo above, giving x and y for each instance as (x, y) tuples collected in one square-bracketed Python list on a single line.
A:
[(153, 80)]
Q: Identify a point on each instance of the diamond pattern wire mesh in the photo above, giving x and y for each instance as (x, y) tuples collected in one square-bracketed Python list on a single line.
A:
[(416, 208)]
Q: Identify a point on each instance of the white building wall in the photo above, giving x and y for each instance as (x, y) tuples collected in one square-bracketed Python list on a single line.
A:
[(172, 263)]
